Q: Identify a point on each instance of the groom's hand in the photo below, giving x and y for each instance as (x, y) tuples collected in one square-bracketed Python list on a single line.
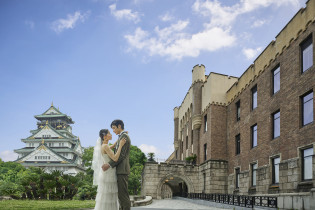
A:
[(105, 167)]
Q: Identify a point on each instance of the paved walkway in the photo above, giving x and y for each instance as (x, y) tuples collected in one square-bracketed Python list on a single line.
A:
[(173, 204)]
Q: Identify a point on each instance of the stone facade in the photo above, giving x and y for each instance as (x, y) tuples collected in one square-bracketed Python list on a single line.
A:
[(205, 124), (165, 179), (154, 176)]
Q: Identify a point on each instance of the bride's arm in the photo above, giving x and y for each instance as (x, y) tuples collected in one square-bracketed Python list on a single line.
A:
[(113, 145), (110, 152)]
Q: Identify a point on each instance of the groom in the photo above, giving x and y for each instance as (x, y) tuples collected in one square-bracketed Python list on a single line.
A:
[(122, 165)]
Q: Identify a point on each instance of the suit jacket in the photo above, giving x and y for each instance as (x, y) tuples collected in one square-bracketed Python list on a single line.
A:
[(122, 164)]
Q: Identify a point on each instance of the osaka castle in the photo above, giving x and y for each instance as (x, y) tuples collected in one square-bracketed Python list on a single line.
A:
[(52, 146)]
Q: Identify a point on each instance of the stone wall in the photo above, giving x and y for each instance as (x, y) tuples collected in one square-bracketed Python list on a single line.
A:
[(216, 176), (154, 175)]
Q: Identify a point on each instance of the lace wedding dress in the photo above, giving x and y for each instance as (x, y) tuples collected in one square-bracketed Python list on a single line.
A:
[(107, 191)]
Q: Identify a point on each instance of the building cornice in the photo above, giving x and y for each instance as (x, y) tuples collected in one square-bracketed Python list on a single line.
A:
[(291, 32)]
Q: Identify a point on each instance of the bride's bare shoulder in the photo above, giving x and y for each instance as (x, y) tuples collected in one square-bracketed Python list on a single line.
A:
[(104, 148)]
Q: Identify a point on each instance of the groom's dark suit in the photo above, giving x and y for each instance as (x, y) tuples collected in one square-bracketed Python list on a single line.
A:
[(122, 171)]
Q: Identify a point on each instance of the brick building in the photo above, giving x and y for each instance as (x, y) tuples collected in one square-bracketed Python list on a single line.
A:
[(257, 130)]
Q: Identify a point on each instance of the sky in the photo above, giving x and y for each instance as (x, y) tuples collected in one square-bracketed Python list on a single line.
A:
[(100, 60)]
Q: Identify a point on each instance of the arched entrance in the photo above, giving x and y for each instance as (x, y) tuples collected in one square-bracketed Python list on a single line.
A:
[(172, 185)]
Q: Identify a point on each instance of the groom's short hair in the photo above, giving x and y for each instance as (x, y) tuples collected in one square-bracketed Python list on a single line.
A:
[(118, 122)]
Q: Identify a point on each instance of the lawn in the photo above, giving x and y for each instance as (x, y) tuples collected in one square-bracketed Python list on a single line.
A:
[(44, 204)]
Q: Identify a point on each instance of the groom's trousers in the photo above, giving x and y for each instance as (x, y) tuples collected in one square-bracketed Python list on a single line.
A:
[(123, 194)]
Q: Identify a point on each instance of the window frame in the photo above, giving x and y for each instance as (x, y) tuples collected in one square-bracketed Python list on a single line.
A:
[(238, 110), (253, 91), (186, 142), (274, 170), (273, 123), (302, 107), (237, 178), (254, 171), (204, 182), (205, 119), (238, 144), (303, 163), (273, 79), (252, 135), (304, 45), (205, 151)]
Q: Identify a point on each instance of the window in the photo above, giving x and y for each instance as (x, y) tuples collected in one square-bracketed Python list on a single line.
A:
[(238, 110), (307, 54), (176, 154), (204, 182), (46, 136), (35, 157), (276, 80), (254, 135), (205, 123), (182, 150), (205, 151), (254, 97), (192, 137), (237, 178), (276, 124), (275, 170), (307, 108), (186, 142), (254, 169), (307, 169), (192, 141), (238, 144), (182, 146)]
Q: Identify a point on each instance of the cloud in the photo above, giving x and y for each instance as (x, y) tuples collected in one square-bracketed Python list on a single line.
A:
[(171, 42), (148, 148), (8, 155), (166, 17), (225, 15), (70, 22), (258, 23), (175, 43), (251, 53), (160, 155), (30, 24), (124, 14), (141, 1)]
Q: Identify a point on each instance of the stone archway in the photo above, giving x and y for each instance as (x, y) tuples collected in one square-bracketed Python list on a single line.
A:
[(175, 183)]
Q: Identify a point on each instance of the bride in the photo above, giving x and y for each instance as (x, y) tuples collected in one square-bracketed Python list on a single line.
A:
[(107, 191)]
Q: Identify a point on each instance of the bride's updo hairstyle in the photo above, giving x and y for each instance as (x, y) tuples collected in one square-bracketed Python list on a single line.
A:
[(103, 133)]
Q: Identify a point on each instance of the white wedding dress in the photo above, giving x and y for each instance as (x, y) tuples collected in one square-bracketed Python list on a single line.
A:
[(107, 190)]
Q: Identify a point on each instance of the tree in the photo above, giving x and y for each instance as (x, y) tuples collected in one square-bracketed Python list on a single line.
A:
[(134, 183), (136, 159), (136, 156), (87, 156), (151, 156), (10, 189)]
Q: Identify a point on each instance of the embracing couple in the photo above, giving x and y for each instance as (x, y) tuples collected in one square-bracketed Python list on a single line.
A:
[(111, 169)]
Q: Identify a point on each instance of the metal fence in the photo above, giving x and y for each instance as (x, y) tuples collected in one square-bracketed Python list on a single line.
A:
[(236, 200)]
